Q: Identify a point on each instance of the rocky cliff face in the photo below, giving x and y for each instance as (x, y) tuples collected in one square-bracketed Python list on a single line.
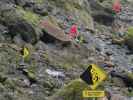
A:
[(52, 69)]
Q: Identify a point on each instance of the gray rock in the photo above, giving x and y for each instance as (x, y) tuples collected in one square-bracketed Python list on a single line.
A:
[(17, 24), (3, 32), (25, 2), (131, 98), (118, 97), (25, 29), (100, 12), (41, 46), (40, 9), (8, 1), (18, 40), (3, 29)]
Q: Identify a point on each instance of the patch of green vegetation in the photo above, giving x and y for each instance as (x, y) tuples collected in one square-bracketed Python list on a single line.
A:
[(27, 59), (29, 16), (65, 65), (69, 4), (45, 55), (124, 1), (30, 74), (72, 91), (130, 75), (40, 1), (130, 32), (11, 84), (69, 7), (130, 94), (76, 5), (129, 37)]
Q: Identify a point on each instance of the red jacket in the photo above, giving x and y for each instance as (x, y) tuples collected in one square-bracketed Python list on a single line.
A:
[(73, 31), (117, 6)]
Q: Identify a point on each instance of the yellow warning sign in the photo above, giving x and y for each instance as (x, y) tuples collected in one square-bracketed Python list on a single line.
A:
[(93, 93), (93, 76), (98, 75), (25, 52)]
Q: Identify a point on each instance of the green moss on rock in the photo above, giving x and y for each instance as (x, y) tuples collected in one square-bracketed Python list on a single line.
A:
[(129, 38), (72, 91), (39, 1), (29, 16), (130, 32), (30, 74)]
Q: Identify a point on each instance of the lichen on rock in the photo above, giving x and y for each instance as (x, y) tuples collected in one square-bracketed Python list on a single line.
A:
[(29, 16), (72, 91), (129, 38)]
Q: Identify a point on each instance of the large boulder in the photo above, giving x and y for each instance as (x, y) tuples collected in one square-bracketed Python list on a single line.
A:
[(102, 11), (25, 29), (20, 22), (52, 31)]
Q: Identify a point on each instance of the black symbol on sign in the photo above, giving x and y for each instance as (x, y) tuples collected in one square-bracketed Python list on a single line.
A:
[(87, 76), (95, 76)]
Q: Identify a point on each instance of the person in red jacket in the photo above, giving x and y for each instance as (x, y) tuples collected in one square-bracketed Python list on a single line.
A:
[(117, 6), (73, 32)]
